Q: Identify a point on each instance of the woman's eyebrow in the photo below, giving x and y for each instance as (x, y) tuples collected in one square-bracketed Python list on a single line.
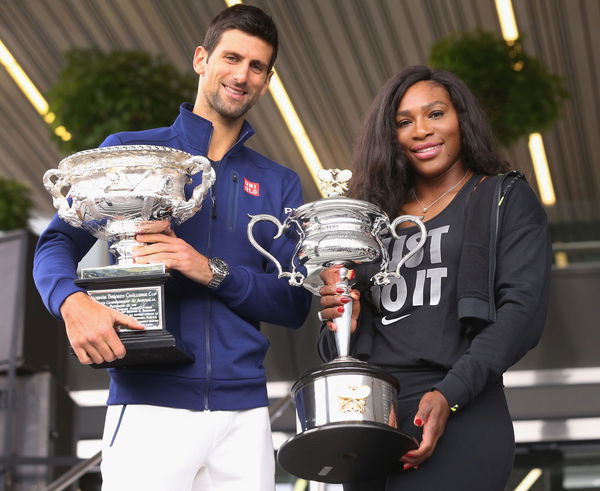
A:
[(425, 106)]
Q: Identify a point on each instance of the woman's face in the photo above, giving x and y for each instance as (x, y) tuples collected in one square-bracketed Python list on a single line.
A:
[(428, 131)]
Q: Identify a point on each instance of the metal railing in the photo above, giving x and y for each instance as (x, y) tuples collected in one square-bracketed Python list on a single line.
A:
[(72, 475), (569, 253)]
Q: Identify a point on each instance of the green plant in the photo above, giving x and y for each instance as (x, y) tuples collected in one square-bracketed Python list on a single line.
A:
[(518, 92), (98, 93), (15, 204)]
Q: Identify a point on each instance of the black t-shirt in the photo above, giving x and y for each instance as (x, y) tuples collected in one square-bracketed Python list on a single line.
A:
[(416, 322), (412, 328)]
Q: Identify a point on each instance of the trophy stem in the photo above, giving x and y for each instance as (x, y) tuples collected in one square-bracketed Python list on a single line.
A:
[(123, 251), (343, 324)]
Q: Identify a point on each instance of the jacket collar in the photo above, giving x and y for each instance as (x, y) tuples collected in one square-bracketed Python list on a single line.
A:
[(197, 131)]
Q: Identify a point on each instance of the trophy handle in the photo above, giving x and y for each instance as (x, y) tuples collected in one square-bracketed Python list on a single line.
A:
[(417, 221), (381, 278), (196, 164), (54, 181), (295, 278)]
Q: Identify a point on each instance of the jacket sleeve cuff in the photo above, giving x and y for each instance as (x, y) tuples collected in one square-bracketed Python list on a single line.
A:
[(233, 285), (63, 289), (455, 391), (472, 307)]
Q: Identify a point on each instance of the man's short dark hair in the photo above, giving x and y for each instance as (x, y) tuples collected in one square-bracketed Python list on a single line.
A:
[(245, 18)]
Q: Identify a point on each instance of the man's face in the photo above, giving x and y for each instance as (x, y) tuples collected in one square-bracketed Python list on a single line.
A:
[(233, 76)]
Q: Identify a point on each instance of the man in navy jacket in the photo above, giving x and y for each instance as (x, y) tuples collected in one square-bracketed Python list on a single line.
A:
[(203, 425)]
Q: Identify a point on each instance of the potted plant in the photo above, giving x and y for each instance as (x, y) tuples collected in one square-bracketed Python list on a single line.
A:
[(99, 93), (519, 93), (15, 204)]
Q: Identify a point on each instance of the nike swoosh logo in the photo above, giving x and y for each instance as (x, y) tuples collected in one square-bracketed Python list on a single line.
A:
[(386, 322)]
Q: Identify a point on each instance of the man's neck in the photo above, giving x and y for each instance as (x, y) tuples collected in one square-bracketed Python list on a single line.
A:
[(223, 138), (225, 132)]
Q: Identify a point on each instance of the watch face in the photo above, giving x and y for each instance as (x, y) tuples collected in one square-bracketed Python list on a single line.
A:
[(219, 266), (220, 271)]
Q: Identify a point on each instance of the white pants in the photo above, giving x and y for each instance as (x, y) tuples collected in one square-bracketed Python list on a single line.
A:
[(154, 448)]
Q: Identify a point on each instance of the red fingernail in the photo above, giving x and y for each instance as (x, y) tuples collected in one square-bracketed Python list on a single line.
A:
[(344, 299), (340, 309), (418, 422), (409, 455), (351, 274), (339, 290)]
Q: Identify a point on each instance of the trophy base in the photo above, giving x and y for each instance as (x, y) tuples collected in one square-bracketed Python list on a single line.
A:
[(139, 295), (345, 452), (147, 348)]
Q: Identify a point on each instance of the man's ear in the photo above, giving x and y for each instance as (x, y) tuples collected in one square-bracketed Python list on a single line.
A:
[(199, 62), (265, 87)]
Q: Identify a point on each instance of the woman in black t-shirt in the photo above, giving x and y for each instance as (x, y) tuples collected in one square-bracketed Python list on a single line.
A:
[(426, 149)]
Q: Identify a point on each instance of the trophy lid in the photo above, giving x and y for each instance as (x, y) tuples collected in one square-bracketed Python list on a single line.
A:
[(336, 204), (334, 183), (125, 156)]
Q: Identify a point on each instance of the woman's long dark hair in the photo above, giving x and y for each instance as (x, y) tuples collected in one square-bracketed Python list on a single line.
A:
[(381, 174)]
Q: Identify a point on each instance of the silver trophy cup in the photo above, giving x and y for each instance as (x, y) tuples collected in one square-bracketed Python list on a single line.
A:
[(346, 409), (115, 193)]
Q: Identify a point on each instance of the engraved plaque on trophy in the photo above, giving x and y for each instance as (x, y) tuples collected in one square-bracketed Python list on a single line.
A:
[(346, 409), (115, 193)]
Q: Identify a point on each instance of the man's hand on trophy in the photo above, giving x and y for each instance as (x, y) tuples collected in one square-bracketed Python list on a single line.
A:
[(174, 253), (91, 328), (334, 300)]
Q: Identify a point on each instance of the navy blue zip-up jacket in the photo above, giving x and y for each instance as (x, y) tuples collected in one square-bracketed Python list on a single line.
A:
[(221, 326)]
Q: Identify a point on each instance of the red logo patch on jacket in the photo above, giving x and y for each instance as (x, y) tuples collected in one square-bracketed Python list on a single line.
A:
[(252, 188)]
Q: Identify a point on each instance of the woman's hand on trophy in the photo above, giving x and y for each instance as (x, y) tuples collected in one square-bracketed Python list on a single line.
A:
[(334, 298), (432, 415), (92, 328), (174, 253)]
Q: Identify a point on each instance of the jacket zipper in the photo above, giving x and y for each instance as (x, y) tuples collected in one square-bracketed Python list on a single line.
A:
[(233, 202), (213, 199), (500, 193), (208, 318)]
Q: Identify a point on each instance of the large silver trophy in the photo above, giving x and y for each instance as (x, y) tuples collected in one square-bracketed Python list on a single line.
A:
[(115, 193), (346, 409)]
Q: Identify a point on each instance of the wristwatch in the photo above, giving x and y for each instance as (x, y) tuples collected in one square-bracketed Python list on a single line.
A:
[(220, 270)]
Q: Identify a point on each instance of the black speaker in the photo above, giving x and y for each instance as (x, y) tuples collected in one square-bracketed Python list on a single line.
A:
[(38, 424), (31, 337)]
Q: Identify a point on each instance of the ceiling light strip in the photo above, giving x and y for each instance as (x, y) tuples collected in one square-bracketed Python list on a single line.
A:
[(532, 476), (508, 24), (30, 90), (292, 121), (510, 33), (295, 126), (22, 80), (541, 169)]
